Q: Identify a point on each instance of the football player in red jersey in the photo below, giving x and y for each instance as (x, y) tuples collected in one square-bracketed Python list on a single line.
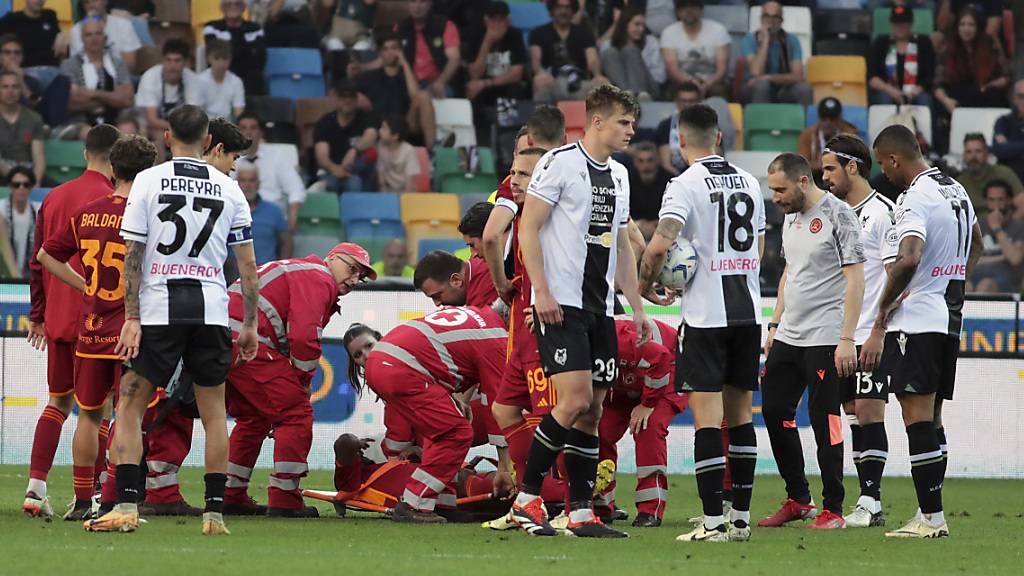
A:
[(93, 234), (54, 318)]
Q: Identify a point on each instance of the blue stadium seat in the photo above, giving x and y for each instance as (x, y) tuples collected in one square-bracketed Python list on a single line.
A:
[(38, 194), (527, 16), (446, 244), (371, 214), (856, 115), (5, 7), (294, 73)]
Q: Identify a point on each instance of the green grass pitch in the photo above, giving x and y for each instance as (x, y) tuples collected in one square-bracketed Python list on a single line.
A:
[(986, 519)]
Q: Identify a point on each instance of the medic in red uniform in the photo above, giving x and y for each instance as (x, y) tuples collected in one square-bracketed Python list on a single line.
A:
[(644, 402), (271, 392)]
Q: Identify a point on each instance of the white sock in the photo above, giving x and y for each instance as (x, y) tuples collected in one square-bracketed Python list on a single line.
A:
[(713, 522), (127, 508), (934, 519), (522, 499), (581, 515), (743, 515), (870, 504), (37, 486)]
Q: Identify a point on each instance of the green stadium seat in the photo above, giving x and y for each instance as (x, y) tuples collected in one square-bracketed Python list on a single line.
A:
[(65, 160), (319, 214), (5, 192), (772, 126), (315, 243), (447, 164), (373, 244)]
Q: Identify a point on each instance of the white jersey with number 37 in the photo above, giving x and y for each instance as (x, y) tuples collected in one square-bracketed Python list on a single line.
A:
[(188, 214), (722, 212), (937, 209)]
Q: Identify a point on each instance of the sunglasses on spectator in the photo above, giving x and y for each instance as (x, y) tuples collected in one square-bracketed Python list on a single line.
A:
[(21, 184)]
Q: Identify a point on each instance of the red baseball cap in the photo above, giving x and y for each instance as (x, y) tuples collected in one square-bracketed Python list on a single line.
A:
[(358, 253)]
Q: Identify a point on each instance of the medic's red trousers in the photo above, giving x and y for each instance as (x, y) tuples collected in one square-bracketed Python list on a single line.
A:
[(263, 396), (429, 407), (651, 450)]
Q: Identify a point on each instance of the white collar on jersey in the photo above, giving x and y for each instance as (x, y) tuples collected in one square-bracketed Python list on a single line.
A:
[(865, 201), (932, 170), (711, 158), (598, 165), (189, 159)]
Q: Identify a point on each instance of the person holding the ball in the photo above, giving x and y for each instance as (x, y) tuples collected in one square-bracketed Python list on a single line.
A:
[(718, 209)]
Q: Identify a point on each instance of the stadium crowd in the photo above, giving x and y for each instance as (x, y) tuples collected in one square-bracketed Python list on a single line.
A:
[(362, 96)]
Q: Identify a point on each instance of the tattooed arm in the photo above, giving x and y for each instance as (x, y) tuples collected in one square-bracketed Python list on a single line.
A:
[(654, 256), (131, 332), (245, 256)]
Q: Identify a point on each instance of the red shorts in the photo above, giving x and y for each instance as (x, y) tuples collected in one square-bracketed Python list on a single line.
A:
[(94, 379), (60, 367), (524, 384)]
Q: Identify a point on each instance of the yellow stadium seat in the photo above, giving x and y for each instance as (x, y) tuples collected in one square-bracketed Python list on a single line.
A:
[(844, 77), (736, 111), (429, 215)]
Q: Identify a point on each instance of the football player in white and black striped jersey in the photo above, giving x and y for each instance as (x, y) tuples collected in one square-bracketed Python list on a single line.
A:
[(920, 312), (178, 224), (846, 166), (573, 235), (720, 210)]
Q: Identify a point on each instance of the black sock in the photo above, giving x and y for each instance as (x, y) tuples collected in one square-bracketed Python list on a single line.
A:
[(127, 483), (215, 492), (874, 452), (941, 433), (709, 462), (926, 466), (548, 441), (580, 454), (857, 442), (742, 462)]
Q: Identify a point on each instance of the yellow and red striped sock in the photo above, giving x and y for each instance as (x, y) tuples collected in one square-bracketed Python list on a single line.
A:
[(44, 444), (85, 483)]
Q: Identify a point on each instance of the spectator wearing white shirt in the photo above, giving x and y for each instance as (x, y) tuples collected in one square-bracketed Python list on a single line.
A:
[(166, 86), (279, 182), (123, 41), (696, 49), (223, 91)]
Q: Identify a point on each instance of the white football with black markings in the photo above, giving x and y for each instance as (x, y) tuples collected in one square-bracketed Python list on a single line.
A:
[(680, 265)]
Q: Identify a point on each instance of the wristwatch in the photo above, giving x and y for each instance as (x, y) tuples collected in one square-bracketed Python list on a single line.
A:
[(773, 325)]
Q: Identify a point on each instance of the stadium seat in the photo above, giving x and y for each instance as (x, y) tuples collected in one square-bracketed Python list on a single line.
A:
[(879, 115), (842, 32), (528, 15), (319, 214), (309, 111), (371, 214), (38, 194), (446, 244), (294, 73), (736, 111), (178, 12), (305, 243), (455, 115), (797, 22), (772, 126), (756, 163), (64, 159), (844, 77), (163, 31), (5, 192), (967, 120), (924, 21), (429, 216), (373, 244), (856, 115), (451, 177), (270, 109), (5, 7), (575, 112), (735, 21), (652, 113), (467, 200), (423, 180)]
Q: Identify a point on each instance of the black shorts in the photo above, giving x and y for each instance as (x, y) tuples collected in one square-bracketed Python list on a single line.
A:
[(864, 386), (711, 357), (204, 350), (789, 370), (920, 363), (583, 341)]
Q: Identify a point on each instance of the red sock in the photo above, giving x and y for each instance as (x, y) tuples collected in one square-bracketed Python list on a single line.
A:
[(519, 437), (101, 455), (44, 445), (85, 482)]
